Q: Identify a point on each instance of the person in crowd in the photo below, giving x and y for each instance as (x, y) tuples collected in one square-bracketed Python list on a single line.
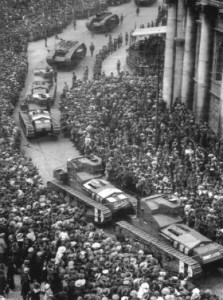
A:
[(92, 48)]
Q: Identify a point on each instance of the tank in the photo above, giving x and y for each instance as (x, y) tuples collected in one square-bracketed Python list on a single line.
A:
[(145, 2), (116, 2), (42, 90), (103, 22), (160, 215), (84, 176), (37, 120), (66, 53)]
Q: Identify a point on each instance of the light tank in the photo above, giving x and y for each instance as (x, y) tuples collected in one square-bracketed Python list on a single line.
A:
[(37, 120), (66, 53), (42, 90), (103, 22)]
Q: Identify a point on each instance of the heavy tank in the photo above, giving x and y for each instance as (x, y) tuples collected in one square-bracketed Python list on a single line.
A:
[(42, 90), (103, 22), (66, 53), (37, 120), (145, 2)]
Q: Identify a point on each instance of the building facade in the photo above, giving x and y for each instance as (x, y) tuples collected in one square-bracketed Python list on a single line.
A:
[(194, 58)]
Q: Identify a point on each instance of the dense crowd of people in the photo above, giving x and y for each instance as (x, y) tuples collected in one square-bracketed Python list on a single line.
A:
[(144, 53), (173, 154), (58, 254), (87, 8), (146, 57)]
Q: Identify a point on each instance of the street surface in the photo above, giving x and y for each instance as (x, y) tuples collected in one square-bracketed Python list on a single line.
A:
[(48, 154)]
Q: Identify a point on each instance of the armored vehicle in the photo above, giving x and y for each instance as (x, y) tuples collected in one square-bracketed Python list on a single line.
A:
[(159, 217), (103, 22), (66, 53), (116, 2), (154, 221), (43, 88), (145, 2), (37, 120), (83, 175)]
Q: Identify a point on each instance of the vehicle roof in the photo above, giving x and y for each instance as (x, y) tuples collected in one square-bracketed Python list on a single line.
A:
[(185, 235), (40, 116), (165, 220), (156, 202), (106, 190)]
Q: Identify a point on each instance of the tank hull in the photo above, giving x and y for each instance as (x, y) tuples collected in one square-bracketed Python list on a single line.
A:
[(30, 131), (107, 24), (69, 60)]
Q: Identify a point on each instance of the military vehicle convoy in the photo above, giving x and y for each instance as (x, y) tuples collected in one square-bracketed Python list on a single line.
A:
[(37, 120), (158, 217), (66, 53), (43, 89), (153, 222), (102, 22), (144, 2)]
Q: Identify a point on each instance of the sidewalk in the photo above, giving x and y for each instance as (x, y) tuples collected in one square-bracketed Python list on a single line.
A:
[(109, 64)]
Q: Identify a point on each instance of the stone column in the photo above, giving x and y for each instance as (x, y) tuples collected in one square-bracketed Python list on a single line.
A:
[(221, 110), (203, 69), (169, 54), (189, 59), (179, 49)]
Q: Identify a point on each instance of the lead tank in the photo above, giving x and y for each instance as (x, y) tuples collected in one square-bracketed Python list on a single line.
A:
[(67, 53)]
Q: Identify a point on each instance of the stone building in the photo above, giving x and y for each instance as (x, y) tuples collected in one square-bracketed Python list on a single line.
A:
[(194, 58)]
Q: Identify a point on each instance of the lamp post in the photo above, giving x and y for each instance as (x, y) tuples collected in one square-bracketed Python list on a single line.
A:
[(157, 94)]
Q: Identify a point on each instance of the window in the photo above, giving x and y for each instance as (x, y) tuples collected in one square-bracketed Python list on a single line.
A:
[(219, 61)]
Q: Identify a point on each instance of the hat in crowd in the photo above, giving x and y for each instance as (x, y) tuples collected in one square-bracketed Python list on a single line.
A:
[(80, 282), (19, 237), (26, 270)]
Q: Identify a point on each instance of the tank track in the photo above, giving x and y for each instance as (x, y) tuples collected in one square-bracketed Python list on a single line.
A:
[(26, 127)]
